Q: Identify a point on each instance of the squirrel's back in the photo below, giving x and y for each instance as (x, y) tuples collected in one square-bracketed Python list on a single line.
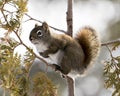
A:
[(90, 43)]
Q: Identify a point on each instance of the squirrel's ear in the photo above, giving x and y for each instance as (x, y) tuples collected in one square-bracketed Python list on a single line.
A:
[(45, 25), (36, 25)]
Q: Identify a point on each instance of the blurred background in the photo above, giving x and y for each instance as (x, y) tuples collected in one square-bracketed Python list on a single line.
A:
[(102, 15)]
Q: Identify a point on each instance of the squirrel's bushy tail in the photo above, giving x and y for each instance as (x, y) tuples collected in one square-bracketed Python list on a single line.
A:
[(90, 43)]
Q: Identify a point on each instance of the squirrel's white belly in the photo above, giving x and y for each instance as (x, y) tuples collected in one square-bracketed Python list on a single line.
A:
[(53, 58), (41, 47)]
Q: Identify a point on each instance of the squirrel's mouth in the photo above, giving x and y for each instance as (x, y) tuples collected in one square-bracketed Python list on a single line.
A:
[(34, 42)]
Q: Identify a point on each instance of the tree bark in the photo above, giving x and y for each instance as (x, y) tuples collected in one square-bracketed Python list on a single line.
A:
[(69, 19), (70, 83)]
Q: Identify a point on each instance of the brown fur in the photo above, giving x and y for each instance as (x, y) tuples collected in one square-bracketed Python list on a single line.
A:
[(90, 43), (78, 52)]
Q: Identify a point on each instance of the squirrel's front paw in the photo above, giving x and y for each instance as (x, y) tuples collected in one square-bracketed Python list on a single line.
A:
[(43, 54)]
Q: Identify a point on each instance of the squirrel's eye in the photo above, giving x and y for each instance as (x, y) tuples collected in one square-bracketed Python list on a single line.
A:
[(39, 33)]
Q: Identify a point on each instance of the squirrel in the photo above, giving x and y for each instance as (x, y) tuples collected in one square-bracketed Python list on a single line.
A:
[(78, 53)]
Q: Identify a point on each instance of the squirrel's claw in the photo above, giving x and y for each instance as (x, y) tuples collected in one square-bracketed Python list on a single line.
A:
[(57, 67)]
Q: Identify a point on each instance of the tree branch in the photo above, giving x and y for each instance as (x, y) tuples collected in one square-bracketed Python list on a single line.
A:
[(71, 87), (110, 42), (69, 19), (20, 40), (70, 26), (31, 18)]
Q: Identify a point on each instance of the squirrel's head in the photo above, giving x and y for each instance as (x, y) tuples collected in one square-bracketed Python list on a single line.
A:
[(40, 33)]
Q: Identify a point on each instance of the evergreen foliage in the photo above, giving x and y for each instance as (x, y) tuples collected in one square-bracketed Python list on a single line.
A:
[(112, 72), (14, 78)]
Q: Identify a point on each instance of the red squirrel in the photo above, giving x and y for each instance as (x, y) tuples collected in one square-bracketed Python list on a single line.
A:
[(78, 53)]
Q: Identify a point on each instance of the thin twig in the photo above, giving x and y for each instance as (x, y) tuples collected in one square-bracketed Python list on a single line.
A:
[(109, 51), (31, 18), (112, 58), (2, 9), (111, 42)]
